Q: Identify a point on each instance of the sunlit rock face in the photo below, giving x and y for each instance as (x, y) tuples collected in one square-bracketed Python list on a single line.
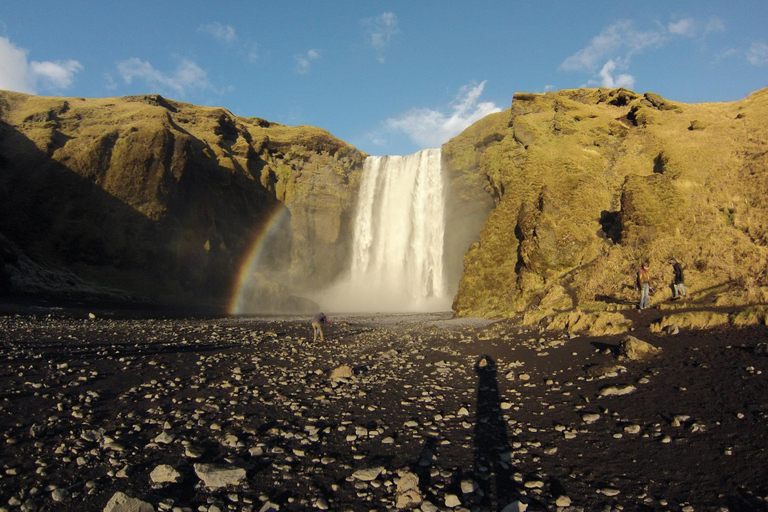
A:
[(588, 183), (166, 199)]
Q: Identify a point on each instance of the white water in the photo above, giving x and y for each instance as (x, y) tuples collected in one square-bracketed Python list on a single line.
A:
[(397, 259)]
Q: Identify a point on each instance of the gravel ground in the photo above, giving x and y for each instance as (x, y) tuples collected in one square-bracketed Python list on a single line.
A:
[(424, 412)]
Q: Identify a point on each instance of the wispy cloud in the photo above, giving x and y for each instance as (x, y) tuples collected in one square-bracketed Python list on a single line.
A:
[(381, 30), (684, 27), (224, 33), (187, 77), (757, 55), (227, 35), (304, 61), (429, 128), (17, 74), (608, 55)]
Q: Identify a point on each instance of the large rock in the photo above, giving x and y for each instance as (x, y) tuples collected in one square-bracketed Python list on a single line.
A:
[(634, 349)]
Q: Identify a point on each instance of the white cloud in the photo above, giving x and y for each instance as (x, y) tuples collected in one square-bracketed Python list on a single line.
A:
[(608, 55), (612, 80), (430, 128), (757, 55), (187, 76), (713, 25), (381, 30), (57, 75), (227, 35), (224, 33), (619, 39), (304, 61), (16, 74), (684, 27)]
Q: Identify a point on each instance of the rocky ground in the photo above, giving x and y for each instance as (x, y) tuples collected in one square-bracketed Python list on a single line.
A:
[(104, 410)]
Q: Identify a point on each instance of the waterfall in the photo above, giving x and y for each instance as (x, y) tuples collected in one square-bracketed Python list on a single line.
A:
[(397, 254)]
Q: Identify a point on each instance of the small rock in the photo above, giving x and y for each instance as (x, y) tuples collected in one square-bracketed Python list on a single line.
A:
[(452, 501), (215, 476), (515, 506), (616, 390), (59, 495), (121, 502), (368, 474), (342, 372), (164, 473)]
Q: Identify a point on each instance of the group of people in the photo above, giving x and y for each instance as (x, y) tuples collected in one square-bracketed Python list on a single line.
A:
[(644, 282)]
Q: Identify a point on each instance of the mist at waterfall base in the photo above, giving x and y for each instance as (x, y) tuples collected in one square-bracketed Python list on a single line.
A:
[(397, 262)]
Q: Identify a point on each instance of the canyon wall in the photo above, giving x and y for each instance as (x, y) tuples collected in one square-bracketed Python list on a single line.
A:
[(587, 184), (164, 199)]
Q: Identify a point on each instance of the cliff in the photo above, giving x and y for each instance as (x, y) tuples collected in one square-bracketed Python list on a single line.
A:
[(164, 199), (587, 184)]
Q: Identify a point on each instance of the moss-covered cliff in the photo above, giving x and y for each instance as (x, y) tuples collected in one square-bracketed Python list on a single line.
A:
[(587, 184), (164, 198)]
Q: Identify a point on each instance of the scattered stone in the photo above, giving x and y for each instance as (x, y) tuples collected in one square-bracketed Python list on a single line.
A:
[(515, 506), (616, 390), (452, 501), (215, 476), (59, 495), (367, 474), (123, 503), (342, 372), (590, 417), (164, 474), (408, 494)]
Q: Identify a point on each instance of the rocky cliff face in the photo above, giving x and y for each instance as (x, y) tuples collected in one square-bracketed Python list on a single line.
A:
[(587, 184), (164, 198)]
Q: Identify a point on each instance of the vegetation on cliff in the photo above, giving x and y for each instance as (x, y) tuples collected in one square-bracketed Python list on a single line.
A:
[(164, 198), (587, 184)]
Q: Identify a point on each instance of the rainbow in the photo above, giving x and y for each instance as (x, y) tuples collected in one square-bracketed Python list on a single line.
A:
[(238, 303)]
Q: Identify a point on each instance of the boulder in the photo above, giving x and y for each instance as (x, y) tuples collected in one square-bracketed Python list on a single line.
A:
[(634, 349)]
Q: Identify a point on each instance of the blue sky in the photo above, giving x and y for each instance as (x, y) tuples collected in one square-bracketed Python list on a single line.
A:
[(389, 77)]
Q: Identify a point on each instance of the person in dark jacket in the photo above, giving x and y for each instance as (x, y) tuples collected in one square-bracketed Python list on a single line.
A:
[(678, 285), (317, 325)]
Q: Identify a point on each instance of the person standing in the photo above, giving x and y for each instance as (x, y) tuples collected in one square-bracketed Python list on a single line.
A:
[(678, 286), (317, 325), (644, 283)]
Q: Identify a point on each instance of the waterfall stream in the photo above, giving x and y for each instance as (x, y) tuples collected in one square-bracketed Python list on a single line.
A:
[(397, 255)]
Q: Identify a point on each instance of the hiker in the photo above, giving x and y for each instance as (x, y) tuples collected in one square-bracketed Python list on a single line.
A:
[(644, 284), (678, 286), (317, 325)]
